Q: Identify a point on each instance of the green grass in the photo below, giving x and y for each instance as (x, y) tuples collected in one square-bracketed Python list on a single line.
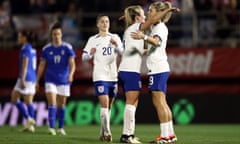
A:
[(187, 134)]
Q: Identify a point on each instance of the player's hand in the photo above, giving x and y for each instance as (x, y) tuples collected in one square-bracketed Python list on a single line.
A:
[(23, 84), (92, 51), (113, 41), (176, 10), (70, 78), (137, 35)]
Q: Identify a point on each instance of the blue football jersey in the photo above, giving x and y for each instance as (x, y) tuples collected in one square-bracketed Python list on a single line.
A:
[(30, 53), (57, 59)]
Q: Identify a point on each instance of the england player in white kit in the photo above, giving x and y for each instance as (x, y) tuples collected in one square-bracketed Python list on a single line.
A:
[(129, 71), (104, 48), (130, 66), (158, 71), (25, 85), (58, 60)]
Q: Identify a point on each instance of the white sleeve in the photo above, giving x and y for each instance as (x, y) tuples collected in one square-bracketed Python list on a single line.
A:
[(119, 48), (86, 51), (86, 56)]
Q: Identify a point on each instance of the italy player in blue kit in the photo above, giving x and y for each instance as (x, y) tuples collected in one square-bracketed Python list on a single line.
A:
[(25, 86), (57, 59)]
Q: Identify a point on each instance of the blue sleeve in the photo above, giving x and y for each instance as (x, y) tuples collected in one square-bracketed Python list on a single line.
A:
[(26, 52), (71, 52)]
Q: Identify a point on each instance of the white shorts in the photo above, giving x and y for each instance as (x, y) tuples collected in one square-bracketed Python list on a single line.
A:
[(30, 88), (63, 90)]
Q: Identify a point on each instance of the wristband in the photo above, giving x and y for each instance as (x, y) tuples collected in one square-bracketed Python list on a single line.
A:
[(145, 37)]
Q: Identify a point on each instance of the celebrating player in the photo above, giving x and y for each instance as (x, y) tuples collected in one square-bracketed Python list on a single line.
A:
[(129, 69), (158, 70)]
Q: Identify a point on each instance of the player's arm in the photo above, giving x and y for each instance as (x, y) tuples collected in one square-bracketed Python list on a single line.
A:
[(116, 41), (87, 56), (158, 16), (24, 71), (89, 50), (41, 68), (152, 40), (72, 68)]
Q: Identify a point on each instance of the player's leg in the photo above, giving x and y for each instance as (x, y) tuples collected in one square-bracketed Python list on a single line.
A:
[(61, 111), (158, 88), (159, 102), (28, 99), (51, 93), (131, 83), (102, 90), (27, 93), (15, 99), (63, 92), (16, 94), (105, 132)]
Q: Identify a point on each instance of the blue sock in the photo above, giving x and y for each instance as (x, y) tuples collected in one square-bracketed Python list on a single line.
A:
[(22, 109), (52, 116), (61, 116), (31, 110)]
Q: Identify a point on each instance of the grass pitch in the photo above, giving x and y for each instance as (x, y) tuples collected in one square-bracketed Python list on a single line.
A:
[(89, 134)]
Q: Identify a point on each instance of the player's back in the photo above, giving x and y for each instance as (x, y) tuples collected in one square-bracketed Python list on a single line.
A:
[(28, 52), (131, 62)]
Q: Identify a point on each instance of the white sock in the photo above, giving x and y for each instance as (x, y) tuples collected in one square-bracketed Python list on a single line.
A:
[(171, 129), (129, 120), (105, 120), (164, 127)]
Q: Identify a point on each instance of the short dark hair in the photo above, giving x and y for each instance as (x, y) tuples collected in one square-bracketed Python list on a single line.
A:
[(30, 36), (100, 16), (55, 25)]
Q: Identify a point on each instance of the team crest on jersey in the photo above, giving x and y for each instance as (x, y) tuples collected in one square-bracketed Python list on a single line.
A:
[(51, 53), (100, 89), (62, 52)]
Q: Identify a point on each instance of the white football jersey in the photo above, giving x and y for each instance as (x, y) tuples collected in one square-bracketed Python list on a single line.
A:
[(131, 62), (157, 58), (104, 59)]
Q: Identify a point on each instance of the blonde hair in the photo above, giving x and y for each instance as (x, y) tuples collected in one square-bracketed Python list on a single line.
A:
[(130, 13), (161, 6)]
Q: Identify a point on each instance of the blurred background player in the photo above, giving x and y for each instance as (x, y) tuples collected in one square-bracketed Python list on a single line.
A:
[(58, 60), (26, 82), (158, 70), (103, 48)]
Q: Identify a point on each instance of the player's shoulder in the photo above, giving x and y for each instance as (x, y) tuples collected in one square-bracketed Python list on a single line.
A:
[(94, 37), (26, 46), (113, 35), (47, 46), (67, 45), (160, 25)]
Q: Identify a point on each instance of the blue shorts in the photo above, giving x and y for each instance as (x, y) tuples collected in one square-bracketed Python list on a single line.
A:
[(130, 81), (158, 82), (106, 88)]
